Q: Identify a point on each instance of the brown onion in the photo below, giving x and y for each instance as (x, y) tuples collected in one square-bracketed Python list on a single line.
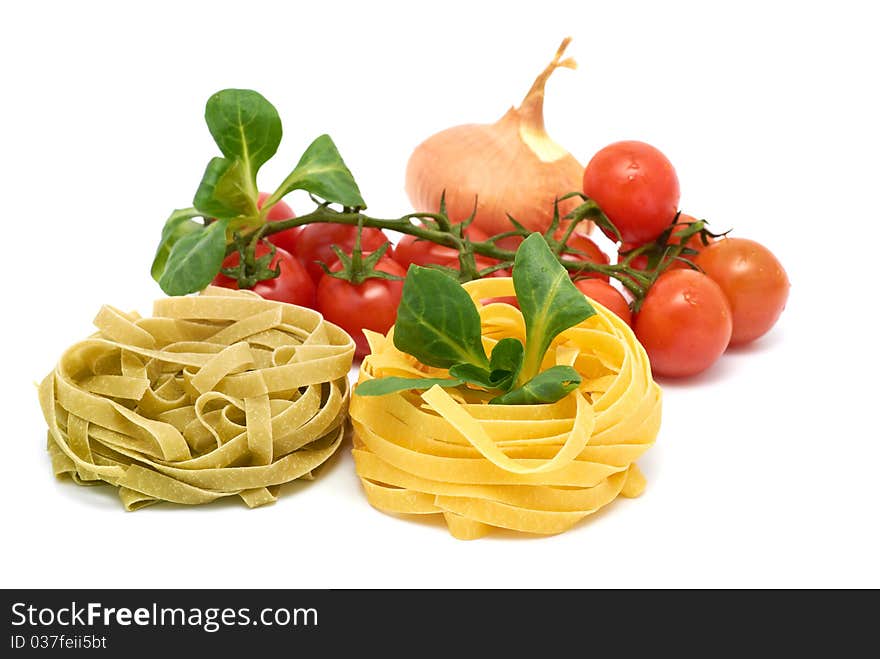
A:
[(511, 166)]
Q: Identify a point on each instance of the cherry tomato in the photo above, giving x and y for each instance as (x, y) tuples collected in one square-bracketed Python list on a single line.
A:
[(684, 323), (753, 281), (636, 187), (286, 240), (606, 295), (370, 305), (592, 253), (423, 252), (293, 285), (315, 241)]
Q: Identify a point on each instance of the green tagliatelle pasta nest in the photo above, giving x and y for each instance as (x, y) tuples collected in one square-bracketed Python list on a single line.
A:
[(220, 394)]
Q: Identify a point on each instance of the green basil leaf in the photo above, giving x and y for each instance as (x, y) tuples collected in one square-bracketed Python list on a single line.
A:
[(505, 363), (437, 322), (195, 260), (179, 224), (246, 127), (383, 386), (472, 375), (549, 301), (546, 387), (322, 172), (224, 192)]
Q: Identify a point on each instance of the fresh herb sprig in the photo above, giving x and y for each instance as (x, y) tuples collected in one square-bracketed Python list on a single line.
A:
[(247, 130), (438, 324)]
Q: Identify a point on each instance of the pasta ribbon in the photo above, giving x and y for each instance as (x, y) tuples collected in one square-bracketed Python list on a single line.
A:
[(530, 468), (219, 394)]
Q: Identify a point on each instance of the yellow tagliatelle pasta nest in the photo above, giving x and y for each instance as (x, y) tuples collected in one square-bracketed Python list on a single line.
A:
[(219, 394), (530, 468)]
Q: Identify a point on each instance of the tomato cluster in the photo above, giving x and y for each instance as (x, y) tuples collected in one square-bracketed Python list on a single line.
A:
[(722, 291), (688, 316)]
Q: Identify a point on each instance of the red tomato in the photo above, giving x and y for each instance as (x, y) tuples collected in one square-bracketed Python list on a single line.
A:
[(293, 285), (423, 252), (753, 281), (606, 295), (684, 323), (315, 240), (286, 240), (483, 262), (591, 250), (354, 307), (636, 187)]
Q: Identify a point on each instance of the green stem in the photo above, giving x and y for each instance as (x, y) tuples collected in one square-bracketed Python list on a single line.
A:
[(327, 215), (635, 281)]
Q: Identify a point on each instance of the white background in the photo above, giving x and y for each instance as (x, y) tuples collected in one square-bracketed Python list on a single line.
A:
[(765, 470)]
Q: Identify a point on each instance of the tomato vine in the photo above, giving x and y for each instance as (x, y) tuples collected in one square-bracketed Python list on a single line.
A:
[(227, 218)]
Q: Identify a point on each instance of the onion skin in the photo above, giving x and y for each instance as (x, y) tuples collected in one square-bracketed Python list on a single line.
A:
[(511, 166)]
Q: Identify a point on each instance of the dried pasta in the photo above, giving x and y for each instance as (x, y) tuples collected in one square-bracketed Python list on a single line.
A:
[(219, 394), (529, 468)]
